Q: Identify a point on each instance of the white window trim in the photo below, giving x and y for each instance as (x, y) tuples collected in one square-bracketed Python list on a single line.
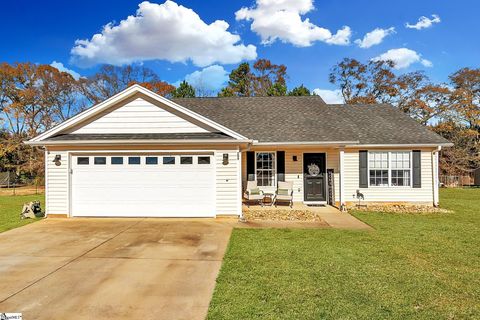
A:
[(389, 169), (274, 168)]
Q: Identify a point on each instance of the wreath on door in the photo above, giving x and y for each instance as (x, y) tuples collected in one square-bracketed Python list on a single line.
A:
[(313, 170)]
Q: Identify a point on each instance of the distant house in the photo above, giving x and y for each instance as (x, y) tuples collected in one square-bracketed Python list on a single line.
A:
[(140, 154), (476, 177)]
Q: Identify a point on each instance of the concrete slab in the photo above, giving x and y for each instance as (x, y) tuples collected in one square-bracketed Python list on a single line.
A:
[(18, 272), (60, 237), (112, 288), (169, 239), (341, 220), (111, 268)]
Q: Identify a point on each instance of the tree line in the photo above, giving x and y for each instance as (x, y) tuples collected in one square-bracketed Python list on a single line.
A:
[(35, 97)]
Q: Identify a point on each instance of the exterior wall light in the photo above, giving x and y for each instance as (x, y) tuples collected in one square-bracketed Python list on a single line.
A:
[(57, 160), (295, 158), (225, 159)]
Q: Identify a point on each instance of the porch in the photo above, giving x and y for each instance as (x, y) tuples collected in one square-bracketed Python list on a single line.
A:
[(316, 173)]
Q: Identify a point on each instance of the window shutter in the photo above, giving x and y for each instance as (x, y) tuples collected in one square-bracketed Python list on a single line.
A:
[(417, 169), (250, 166), (280, 165), (363, 165)]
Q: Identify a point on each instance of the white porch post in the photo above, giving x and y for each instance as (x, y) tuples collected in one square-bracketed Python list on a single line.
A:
[(239, 183), (342, 179), (436, 178)]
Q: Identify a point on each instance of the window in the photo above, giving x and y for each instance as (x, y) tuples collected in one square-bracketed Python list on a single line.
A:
[(133, 160), (168, 160), (389, 168), (116, 160), (100, 160), (401, 169), (83, 160), (378, 167), (186, 160), (265, 169), (151, 160), (203, 160)]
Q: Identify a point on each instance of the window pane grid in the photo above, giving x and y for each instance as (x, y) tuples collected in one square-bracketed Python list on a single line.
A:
[(378, 160), (379, 178), (265, 162), (390, 168), (400, 160), (400, 178)]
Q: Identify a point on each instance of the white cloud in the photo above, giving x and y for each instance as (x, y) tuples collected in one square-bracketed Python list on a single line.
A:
[(165, 31), (281, 20), (330, 96), (374, 37), (62, 68), (211, 78), (426, 63), (403, 58), (424, 22)]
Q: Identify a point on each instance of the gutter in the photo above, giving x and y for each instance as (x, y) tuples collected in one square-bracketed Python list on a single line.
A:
[(133, 142), (306, 143), (435, 145)]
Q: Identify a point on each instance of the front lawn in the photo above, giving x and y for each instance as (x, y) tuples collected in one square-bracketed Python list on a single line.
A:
[(10, 208), (411, 267)]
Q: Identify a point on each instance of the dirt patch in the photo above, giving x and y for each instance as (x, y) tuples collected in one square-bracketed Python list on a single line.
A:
[(412, 209), (21, 191), (280, 215)]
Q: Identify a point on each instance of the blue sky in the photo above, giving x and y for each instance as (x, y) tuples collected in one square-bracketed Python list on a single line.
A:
[(191, 39)]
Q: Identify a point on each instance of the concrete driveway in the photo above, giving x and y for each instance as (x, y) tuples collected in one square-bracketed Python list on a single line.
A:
[(111, 268)]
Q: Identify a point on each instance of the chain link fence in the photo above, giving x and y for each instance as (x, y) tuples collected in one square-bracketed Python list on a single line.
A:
[(456, 181)]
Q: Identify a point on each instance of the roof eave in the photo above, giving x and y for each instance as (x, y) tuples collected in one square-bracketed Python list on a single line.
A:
[(401, 145), (136, 142), (305, 143)]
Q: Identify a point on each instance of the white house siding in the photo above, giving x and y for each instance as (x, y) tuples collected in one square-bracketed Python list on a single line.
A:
[(294, 169), (228, 184), (139, 116), (422, 195), (57, 183)]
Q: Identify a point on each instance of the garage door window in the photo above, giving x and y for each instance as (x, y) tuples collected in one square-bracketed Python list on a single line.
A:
[(151, 160), (83, 160), (168, 160), (186, 160), (100, 160), (116, 160), (203, 160), (133, 160)]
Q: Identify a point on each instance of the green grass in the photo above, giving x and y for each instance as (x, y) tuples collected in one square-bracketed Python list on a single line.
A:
[(411, 267), (10, 208)]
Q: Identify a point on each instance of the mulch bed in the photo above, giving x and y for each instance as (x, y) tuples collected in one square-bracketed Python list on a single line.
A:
[(401, 209), (280, 215)]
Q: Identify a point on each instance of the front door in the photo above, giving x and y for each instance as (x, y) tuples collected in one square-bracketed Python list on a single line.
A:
[(314, 177)]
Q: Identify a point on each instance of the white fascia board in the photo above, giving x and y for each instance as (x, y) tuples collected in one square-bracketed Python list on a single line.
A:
[(135, 142), (306, 143), (130, 91), (414, 145)]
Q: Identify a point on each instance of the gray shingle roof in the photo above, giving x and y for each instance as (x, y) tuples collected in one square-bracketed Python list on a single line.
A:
[(141, 136), (309, 119)]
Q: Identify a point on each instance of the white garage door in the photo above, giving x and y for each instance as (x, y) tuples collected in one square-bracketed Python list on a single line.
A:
[(143, 186)]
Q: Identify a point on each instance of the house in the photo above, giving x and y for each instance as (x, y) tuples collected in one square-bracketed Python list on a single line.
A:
[(140, 154)]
